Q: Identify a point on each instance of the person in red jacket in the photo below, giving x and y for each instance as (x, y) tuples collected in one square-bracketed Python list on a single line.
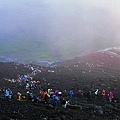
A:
[(43, 95), (103, 93)]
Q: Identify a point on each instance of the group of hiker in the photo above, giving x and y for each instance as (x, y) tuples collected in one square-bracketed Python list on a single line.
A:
[(54, 96), (103, 94)]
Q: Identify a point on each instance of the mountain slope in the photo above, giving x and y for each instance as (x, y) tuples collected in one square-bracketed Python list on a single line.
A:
[(108, 58)]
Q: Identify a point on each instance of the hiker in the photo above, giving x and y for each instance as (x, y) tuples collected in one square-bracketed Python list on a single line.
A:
[(80, 92), (56, 92), (7, 93), (64, 103), (96, 93), (36, 98), (29, 95), (49, 92), (19, 96), (55, 99), (27, 87), (103, 93), (43, 94), (10, 93), (34, 84), (110, 95), (71, 94)]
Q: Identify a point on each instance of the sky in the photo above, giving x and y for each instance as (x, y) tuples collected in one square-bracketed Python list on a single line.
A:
[(67, 25)]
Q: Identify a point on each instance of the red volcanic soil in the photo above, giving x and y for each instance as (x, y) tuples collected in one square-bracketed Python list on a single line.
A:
[(97, 70)]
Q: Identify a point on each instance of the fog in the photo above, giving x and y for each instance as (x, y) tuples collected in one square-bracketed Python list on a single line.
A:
[(73, 26)]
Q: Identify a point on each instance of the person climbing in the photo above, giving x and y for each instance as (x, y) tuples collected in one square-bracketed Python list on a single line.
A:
[(56, 92), (49, 92), (7, 93), (55, 99), (29, 96), (64, 103), (19, 96), (43, 94), (96, 93), (103, 93), (10, 93), (111, 96), (71, 94)]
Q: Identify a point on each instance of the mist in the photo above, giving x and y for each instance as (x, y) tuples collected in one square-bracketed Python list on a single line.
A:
[(58, 27)]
